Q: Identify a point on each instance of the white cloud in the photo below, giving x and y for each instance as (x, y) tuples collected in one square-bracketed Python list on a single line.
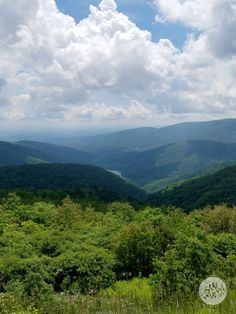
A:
[(101, 112), (107, 5), (53, 68), (194, 13), (215, 18), (206, 67)]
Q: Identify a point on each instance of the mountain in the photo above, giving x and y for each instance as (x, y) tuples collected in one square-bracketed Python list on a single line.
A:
[(153, 169), (12, 154), (57, 154), (67, 177), (168, 164), (35, 152), (213, 189), (143, 139)]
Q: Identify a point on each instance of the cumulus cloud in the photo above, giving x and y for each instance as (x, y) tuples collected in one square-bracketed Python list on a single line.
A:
[(216, 19), (194, 13), (106, 5), (105, 67), (59, 63), (206, 66)]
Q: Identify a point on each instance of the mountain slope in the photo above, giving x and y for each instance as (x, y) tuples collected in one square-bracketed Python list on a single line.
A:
[(214, 189), (170, 163), (66, 177), (155, 169), (34, 152), (12, 154), (142, 139), (57, 154)]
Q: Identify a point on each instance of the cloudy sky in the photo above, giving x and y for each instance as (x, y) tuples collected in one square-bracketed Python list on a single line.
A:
[(129, 62)]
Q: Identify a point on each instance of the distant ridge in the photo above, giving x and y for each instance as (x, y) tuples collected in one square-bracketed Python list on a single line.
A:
[(151, 158), (165, 165), (141, 139), (28, 152)]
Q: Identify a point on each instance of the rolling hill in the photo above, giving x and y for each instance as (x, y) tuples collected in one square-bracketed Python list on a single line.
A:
[(34, 152), (213, 189), (142, 139), (155, 169), (12, 154), (67, 177), (57, 154)]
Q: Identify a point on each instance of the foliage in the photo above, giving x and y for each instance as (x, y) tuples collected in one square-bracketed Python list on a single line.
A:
[(214, 189), (74, 258), (59, 180)]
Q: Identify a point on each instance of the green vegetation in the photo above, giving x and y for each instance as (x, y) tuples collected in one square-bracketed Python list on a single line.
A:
[(156, 169), (75, 180), (213, 189), (153, 169), (71, 258), (33, 153)]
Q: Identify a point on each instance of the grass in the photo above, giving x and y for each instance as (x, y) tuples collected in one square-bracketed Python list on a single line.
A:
[(134, 297)]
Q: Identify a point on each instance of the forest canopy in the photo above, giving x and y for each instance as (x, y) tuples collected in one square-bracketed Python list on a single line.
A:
[(50, 250)]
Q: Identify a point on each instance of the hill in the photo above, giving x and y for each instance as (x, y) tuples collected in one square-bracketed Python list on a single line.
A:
[(213, 189), (68, 177), (34, 152), (57, 154), (142, 139), (153, 169), (171, 163), (13, 154)]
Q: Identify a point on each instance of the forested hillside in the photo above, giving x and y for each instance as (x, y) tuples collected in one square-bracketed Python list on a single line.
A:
[(58, 154), (171, 163), (34, 152), (69, 178), (155, 169), (214, 189)]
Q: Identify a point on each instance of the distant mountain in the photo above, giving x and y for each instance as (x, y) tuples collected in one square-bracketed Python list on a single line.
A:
[(13, 154), (57, 154), (171, 163), (33, 152), (67, 177), (153, 169), (143, 139), (213, 189)]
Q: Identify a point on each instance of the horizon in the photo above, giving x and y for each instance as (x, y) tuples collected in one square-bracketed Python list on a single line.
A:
[(54, 135)]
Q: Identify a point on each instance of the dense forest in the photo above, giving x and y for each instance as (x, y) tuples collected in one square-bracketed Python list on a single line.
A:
[(76, 258), (75, 180), (213, 189), (79, 239)]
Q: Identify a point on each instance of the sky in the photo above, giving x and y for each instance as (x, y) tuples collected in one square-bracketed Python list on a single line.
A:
[(106, 63)]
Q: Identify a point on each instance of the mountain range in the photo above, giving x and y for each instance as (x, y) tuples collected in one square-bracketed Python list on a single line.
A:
[(149, 157), (143, 139)]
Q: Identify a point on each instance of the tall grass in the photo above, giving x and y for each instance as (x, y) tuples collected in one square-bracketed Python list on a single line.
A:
[(132, 297)]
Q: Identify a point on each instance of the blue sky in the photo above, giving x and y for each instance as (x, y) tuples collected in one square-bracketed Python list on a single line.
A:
[(141, 12)]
